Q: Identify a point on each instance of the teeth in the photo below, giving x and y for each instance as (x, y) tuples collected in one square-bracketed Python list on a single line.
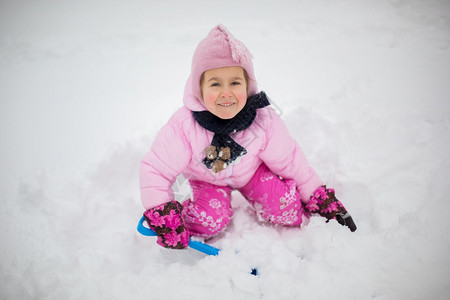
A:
[(226, 105)]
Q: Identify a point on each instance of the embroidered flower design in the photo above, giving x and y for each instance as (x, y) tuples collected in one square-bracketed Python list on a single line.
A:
[(312, 204), (214, 203), (220, 214), (155, 219), (266, 177), (172, 238), (172, 220)]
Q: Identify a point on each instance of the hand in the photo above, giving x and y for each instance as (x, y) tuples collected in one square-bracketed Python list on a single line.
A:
[(324, 202), (346, 220), (166, 221)]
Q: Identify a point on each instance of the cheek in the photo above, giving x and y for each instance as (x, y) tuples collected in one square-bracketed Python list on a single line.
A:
[(241, 96), (210, 98)]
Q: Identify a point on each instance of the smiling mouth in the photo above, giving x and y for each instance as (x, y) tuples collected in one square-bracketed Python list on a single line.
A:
[(226, 104)]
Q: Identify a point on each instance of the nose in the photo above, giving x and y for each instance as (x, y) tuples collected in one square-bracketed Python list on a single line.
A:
[(226, 93)]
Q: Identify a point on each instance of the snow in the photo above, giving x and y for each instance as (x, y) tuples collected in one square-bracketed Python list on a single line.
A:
[(362, 85)]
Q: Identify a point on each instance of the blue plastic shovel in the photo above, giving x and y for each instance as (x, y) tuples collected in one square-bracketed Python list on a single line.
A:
[(199, 246)]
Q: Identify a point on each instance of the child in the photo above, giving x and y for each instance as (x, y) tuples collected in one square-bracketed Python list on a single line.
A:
[(226, 137)]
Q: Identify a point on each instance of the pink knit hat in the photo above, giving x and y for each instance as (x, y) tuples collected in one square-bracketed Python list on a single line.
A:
[(220, 49)]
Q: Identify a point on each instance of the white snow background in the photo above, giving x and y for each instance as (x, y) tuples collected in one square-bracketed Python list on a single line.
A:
[(363, 85)]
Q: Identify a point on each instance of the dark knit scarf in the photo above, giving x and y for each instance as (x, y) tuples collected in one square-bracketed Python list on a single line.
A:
[(224, 127)]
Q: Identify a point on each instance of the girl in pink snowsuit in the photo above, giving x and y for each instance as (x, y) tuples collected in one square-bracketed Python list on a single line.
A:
[(227, 137)]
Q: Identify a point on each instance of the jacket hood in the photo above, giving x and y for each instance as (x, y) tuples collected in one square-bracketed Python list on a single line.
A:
[(219, 49), (190, 101)]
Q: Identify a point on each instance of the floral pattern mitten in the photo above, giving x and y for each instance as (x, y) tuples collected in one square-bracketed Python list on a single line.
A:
[(165, 220), (324, 202)]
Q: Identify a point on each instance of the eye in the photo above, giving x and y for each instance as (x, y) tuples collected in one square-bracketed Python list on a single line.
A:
[(235, 83), (214, 84)]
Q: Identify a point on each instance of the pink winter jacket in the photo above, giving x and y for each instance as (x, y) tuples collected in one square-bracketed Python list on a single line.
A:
[(179, 149)]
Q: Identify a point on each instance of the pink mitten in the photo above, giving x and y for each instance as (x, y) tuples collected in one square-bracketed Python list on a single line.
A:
[(165, 220), (324, 202)]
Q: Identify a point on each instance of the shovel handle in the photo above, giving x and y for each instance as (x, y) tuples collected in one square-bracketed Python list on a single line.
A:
[(199, 246)]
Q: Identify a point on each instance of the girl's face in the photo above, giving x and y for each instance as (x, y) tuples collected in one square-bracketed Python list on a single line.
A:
[(224, 91)]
